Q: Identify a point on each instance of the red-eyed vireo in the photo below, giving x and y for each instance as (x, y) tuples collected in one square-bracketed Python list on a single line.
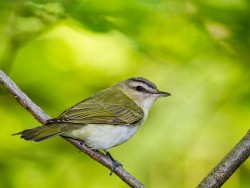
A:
[(106, 119)]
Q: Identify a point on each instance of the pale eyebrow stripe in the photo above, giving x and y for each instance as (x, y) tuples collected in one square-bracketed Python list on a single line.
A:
[(146, 82)]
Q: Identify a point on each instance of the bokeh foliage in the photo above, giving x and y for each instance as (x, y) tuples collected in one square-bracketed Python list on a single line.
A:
[(59, 52)]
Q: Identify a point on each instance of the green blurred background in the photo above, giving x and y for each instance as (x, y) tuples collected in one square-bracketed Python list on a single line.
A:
[(59, 52)]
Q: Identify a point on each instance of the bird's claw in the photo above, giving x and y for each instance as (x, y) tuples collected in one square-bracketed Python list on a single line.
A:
[(114, 166), (115, 163)]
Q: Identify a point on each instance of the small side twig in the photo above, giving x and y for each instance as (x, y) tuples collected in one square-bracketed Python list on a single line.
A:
[(42, 117), (231, 162)]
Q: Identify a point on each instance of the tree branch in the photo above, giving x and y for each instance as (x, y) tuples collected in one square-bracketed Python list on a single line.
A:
[(42, 117), (231, 162)]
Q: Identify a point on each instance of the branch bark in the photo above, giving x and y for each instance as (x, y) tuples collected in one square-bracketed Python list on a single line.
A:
[(42, 117), (231, 162)]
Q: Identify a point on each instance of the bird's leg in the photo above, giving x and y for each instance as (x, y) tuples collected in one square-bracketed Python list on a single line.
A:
[(115, 162), (109, 155), (81, 143)]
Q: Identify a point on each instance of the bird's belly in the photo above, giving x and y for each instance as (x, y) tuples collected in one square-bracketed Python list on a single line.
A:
[(103, 136)]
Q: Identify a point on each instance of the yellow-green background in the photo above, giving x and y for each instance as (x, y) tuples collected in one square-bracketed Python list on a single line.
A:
[(59, 52)]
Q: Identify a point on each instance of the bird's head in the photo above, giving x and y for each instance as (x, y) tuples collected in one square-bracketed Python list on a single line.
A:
[(141, 91)]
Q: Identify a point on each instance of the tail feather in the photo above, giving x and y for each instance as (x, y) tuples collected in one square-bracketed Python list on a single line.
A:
[(41, 133)]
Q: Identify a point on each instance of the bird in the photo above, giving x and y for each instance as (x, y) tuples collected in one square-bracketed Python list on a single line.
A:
[(104, 120)]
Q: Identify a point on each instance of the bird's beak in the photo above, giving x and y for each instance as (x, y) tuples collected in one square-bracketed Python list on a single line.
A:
[(163, 94)]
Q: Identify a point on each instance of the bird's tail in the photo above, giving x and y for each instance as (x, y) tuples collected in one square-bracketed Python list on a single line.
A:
[(41, 133)]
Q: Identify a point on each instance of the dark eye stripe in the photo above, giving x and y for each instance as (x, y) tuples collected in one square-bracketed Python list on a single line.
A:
[(144, 81), (143, 90), (140, 88)]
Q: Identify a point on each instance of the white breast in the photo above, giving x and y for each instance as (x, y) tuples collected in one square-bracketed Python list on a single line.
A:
[(104, 136)]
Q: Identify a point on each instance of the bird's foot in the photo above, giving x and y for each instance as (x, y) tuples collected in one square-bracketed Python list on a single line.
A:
[(81, 144), (114, 166), (115, 162)]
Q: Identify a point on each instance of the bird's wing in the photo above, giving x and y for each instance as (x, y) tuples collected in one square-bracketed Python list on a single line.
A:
[(111, 107)]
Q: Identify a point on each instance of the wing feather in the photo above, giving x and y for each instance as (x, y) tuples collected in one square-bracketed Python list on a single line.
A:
[(105, 107)]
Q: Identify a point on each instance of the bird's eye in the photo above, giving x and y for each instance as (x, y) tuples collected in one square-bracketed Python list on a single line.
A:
[(139, 88)]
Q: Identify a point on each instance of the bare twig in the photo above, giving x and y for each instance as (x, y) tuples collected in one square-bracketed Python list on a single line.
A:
[(231, 162), (42, 117)]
